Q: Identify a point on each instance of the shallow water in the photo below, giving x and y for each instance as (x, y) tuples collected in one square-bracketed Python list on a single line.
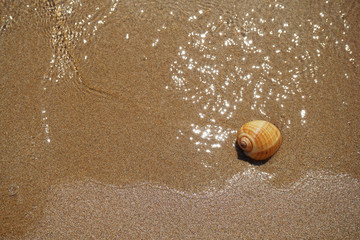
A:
[(129, 93)]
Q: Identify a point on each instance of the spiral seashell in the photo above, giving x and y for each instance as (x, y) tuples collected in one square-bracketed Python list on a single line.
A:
[(259, 139)]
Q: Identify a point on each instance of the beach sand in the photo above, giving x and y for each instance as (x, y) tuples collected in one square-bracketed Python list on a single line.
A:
[(118, 120)]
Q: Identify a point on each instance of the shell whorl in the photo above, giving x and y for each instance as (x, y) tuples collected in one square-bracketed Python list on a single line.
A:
[(259, 139), (245, 144)]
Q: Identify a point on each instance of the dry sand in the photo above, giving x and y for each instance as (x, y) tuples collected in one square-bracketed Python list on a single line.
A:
[(118, 120)]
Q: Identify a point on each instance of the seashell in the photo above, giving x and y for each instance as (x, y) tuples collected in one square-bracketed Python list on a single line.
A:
[(259, 139)]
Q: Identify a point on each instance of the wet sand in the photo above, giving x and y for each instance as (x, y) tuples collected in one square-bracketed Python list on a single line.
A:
[(119, 120)]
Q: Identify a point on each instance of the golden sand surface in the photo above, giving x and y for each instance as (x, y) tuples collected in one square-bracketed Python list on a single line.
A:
[(118, 119)]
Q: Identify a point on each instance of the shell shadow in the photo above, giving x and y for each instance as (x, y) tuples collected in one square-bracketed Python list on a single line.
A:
[(243, 157)]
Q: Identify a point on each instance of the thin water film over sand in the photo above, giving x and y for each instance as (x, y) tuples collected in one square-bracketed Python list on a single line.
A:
[(109, 103)]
